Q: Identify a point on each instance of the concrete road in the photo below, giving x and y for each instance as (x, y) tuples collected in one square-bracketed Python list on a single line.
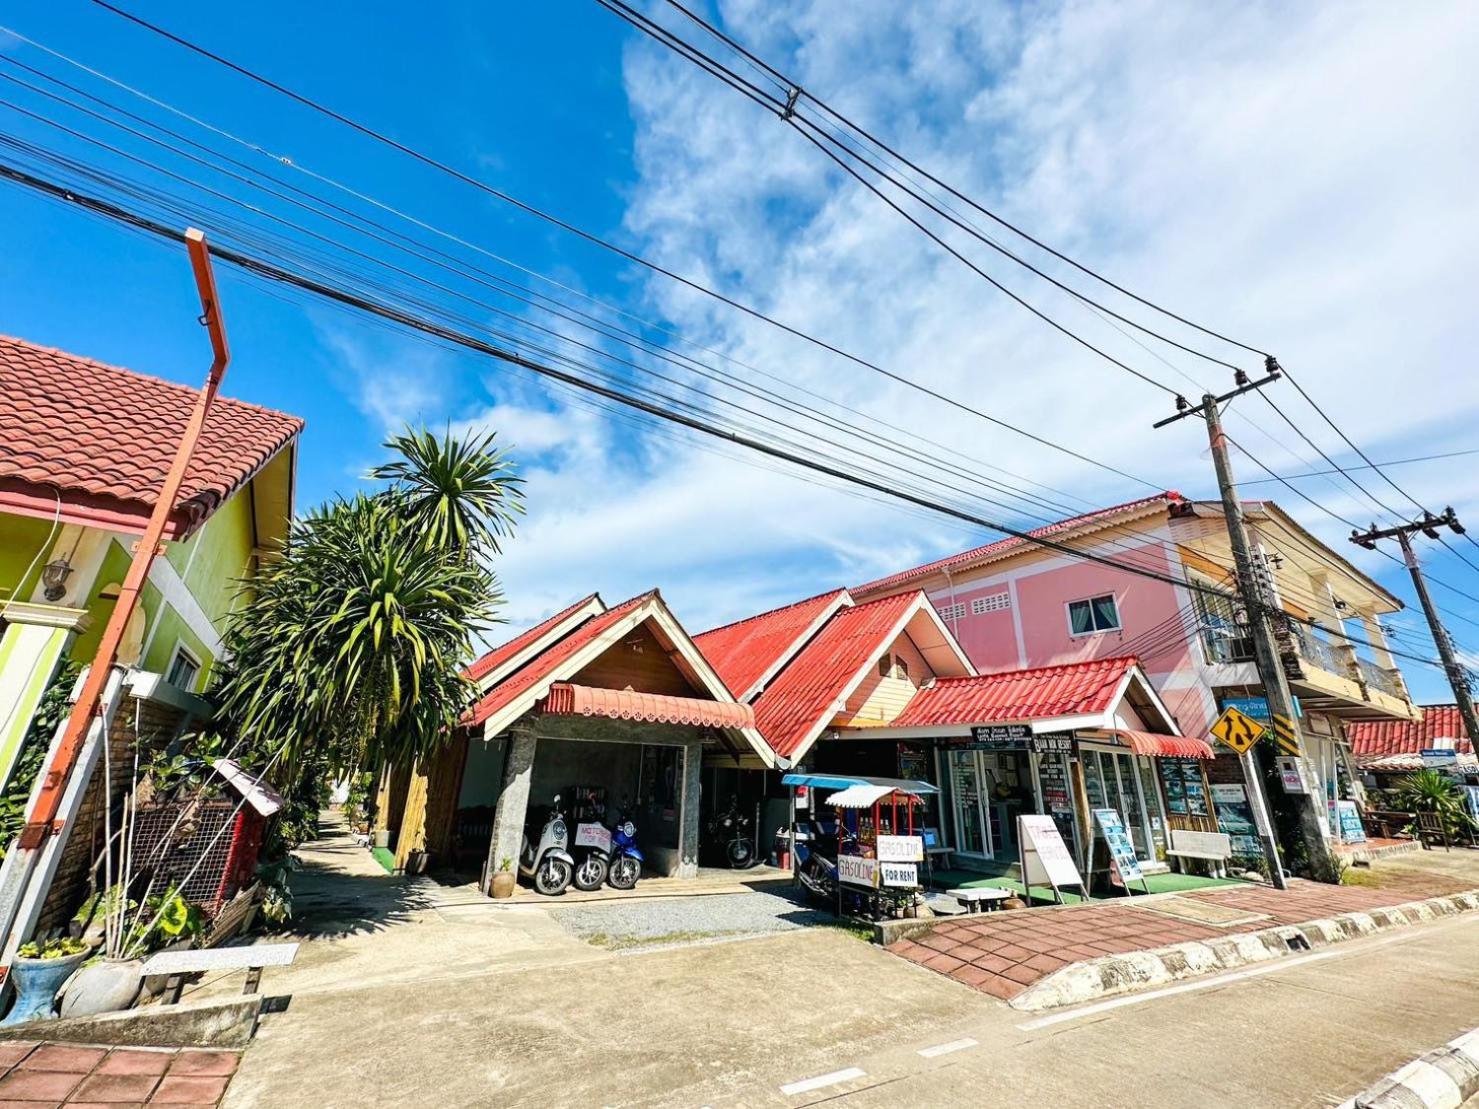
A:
[(818, 1016)]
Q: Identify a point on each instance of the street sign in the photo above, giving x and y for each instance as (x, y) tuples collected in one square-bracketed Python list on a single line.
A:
[(1286, 736), (1238, 730), (1257, 707), (1436, 757)]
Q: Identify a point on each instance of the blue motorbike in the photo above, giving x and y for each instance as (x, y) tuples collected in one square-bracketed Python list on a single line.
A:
[(626, 860)]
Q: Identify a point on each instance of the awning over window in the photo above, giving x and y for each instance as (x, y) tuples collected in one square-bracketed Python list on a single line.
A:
[(567, 699), (1162, 746)]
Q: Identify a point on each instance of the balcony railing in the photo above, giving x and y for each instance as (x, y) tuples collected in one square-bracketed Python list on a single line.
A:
[(1225, 642), (1379, 677), (1319, 652)]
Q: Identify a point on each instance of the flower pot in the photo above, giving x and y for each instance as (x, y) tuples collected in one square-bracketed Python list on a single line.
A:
[(503, 884), (36, 984), (103, 987)]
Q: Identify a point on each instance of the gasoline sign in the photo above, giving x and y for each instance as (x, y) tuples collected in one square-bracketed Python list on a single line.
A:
[(1238, 730), (857, 871)]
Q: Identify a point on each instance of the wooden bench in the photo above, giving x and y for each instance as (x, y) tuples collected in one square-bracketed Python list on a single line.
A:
[(1213, 847), (175, 965), (981, 899)]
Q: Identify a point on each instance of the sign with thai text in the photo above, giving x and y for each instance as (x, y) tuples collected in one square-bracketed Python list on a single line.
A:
[(1257, 707), (857, 871), (1046, 860), (900, 849)]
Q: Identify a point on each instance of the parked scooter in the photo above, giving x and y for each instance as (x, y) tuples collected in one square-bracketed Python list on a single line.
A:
[(549, 865), (735, 832), (626, 860), (816, 862)]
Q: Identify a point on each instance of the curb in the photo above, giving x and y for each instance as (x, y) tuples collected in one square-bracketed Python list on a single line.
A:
[(1112, 975), (1441, 1079)]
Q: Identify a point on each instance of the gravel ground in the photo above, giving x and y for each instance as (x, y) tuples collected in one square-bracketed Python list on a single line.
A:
[(626, 924)]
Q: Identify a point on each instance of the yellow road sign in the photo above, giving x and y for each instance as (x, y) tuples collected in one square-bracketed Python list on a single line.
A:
[(1286, 736), (1237, 729)]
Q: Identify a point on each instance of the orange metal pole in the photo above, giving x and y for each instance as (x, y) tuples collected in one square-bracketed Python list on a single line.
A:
[(149, 546)]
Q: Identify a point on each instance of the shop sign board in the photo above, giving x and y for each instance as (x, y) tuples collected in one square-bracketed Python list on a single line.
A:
[(1053, 777), (905, 875), (990, 737), (1291, 775), (1257, 707), (1235, 817), (1053, 743), (1121, 849), (593, 835), (900, 849), (1437, 757), (857, 871), (1046, 860), (1346, 819)]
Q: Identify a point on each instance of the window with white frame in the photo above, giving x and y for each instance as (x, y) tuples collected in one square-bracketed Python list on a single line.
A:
[(184, 668), (994, 603), (1096, 614), (952, 612)]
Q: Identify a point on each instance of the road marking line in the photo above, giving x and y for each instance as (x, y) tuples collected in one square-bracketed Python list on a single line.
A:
[(1222, 980), (946, 1049), (806, 1085)]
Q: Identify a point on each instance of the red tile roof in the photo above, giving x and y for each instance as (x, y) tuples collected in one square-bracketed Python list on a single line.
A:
[(1017, 696), (1002, 546), (547, 664), (802, 700), (107, 434), (745, 651), (568, 699), (507, 652), (1404, 737)]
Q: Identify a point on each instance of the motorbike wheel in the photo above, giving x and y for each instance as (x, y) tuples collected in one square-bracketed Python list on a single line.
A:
[(624, 872), (552, 877), (741, 854), (590, 872)]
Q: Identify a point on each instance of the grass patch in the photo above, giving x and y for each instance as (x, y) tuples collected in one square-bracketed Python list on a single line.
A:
[(384, 857), (1360, 876)]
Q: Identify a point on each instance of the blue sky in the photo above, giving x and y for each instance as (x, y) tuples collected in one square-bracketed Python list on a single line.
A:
[(1237, 160)]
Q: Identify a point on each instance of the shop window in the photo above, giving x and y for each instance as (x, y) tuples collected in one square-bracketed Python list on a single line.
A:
[(183, 670), (1186, 794), (995, 603), (1097, 614)]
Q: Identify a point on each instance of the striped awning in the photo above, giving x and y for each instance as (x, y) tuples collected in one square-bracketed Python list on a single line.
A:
[(568, 699), (1161, 746)]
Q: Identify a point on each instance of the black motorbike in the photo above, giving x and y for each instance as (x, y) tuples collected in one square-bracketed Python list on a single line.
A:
[(734, 832)]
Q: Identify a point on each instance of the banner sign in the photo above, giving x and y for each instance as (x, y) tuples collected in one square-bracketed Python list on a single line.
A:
[(1046, 860), (593, 835), (857, 871), (899, 874), (900, 849), (1121, 850)]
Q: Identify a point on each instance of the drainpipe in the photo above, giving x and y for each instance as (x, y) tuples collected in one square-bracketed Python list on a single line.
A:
[(43, 827)]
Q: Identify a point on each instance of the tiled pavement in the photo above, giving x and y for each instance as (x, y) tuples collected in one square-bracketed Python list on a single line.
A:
[(1002, 953), (53, 1075)]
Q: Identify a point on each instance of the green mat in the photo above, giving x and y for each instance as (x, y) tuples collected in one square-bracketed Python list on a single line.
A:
[(1158, 883), (383, 856)]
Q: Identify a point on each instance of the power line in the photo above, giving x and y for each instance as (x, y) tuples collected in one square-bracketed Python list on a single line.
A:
[(1363, 466)]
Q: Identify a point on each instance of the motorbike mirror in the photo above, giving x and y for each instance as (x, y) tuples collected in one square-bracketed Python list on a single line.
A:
[(557, 799)]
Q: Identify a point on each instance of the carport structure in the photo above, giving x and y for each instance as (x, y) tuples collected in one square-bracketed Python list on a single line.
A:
[(617, 700)]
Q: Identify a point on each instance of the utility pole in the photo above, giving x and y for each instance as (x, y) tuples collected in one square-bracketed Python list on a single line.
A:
[(1261, 611), (1402, 533)]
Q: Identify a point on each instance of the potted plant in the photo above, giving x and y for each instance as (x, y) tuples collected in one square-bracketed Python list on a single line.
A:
[(503, 881), (38, 971)]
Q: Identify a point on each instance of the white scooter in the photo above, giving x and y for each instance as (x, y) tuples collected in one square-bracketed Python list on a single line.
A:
[(550, 866)]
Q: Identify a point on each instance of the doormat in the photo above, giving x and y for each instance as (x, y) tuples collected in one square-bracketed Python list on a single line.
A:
[(1202, 912)]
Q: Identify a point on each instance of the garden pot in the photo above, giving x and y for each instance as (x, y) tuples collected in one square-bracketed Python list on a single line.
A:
[(36, 984), (106, 986), (503, 884)]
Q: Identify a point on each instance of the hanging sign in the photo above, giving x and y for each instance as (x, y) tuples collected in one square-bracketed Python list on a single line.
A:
[(857, 871), (900, 849), (1121, 850), (899, 874), (1046, 860)]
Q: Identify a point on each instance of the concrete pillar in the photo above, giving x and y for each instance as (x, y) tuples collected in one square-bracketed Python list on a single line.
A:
[(693, 764), (513, 801)]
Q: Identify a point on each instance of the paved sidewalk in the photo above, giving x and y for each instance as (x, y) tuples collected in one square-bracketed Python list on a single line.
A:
[(52, 1075), (1003, 953)]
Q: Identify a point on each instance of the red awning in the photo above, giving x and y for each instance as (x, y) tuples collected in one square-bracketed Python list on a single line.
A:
[(567, 699), (1163, 746)]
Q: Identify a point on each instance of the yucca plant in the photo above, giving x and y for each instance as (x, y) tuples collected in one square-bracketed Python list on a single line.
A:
[(459, 494), (1431, 791)]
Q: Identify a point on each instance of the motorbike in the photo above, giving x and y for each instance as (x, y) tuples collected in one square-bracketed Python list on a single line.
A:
[(733, 830), (549, 865), (626, 860), (816, 863)]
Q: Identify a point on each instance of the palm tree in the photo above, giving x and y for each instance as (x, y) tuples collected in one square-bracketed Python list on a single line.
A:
[(350, 652)]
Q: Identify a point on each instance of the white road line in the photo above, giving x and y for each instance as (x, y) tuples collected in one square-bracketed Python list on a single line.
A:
[(1222, 980), (946, 1049), (806, 1085)]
